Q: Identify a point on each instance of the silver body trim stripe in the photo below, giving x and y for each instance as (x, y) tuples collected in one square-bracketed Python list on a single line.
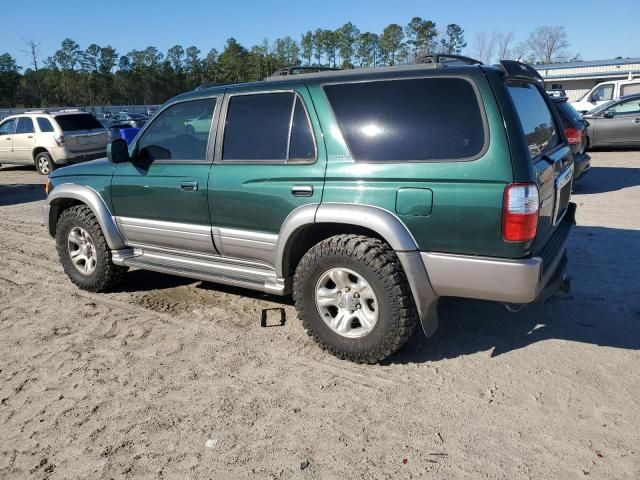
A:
[(246, 244)]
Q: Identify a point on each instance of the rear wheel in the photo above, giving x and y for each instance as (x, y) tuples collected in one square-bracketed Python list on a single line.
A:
[(44, 163), (352, 297), (83, 251)]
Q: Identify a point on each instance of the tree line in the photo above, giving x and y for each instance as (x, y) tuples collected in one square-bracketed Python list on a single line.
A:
[(99, 75)]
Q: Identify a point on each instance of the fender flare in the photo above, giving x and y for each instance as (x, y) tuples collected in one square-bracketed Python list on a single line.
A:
[(384, 223), (94, 201)]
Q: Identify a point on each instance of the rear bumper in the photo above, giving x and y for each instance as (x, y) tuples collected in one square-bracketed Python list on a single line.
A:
[(63, 156), (581, 164), (498, 279)]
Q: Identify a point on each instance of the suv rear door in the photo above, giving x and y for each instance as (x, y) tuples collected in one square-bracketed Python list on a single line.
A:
[(549, 153), (82, 132)]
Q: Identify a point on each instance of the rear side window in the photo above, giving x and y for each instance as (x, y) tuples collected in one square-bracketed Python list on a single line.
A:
[(44, 125), (267, 127), (535, 117), (25, 125), (409, 120), (629, 89), (72, 123)]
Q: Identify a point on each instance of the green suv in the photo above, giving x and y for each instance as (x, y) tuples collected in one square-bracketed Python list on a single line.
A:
[(367, 194)]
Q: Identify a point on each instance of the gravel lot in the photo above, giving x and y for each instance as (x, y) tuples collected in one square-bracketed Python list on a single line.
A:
[(170, 378)]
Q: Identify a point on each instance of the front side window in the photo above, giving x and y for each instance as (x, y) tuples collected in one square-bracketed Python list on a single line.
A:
[(180, 132), (267, 127), (628, 106), (425, 119), (25, 125), (535, 117), (44, 125), (602, 93), (8, 127)]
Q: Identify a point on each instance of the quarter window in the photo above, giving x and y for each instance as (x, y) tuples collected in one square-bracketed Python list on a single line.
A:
[(180, 132), (25, 125), (44, 125), (267, 127), (409, 120), (535, 118)]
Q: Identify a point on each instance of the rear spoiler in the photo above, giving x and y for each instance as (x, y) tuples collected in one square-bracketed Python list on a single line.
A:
[(518, 70)]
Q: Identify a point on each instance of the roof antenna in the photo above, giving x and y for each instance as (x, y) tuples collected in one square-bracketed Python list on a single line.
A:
[(630, 75)]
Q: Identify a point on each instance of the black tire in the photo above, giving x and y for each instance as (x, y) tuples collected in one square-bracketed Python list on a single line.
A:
[(106, 274), (378, 264), (44, 163)]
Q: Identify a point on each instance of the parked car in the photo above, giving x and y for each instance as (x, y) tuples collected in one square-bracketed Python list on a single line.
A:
[(575, 130), (368, 194), (605, 92), (615, 124), (135, 120), (50, 139)]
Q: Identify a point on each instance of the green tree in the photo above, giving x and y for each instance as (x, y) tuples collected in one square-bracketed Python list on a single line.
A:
[(233, 62), (390, 43), (9, 80), (330, 46), (453, 42), (306, 44), (318, 45), (421, 35), (346, 37), (366, 53)]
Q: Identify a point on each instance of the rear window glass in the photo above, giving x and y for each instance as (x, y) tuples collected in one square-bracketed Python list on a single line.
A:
[(71, 123), (535, 117), (569, 114), (409, 120), (44, 125)]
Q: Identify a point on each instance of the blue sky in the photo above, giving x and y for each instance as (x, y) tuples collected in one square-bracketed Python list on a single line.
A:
[(596, 29)]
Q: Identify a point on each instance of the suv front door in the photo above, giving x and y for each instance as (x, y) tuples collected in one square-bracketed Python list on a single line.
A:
[(160, 197), (24, 141), (7, 129)]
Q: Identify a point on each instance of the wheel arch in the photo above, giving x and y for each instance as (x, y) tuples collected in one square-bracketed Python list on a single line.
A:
[(67, 195), (38, 150)]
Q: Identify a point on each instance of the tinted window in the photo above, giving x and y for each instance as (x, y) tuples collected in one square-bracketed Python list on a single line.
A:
[(257, 127), (570, 115), (535, 117), (631, 106), (25, 125), (404, 120), (44, 125), (302, 146), (72, 123), (180, 132), (8, 127)]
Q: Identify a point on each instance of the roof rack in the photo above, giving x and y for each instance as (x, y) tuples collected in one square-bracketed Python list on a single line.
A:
[(446, 58), (515, 69), (283, 72), (41, 110), (206, 86)]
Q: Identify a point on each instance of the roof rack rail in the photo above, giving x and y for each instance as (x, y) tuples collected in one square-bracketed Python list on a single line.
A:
[(205, 86), (283, 72), (39, 110), (445, 58), (515, 69)]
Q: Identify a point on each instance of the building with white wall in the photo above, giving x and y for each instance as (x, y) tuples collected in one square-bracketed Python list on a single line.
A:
[(577, 78)]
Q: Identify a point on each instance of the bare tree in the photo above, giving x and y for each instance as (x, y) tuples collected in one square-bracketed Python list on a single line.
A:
[(548, 44), (504, 41), (33, 51), (483, 46)]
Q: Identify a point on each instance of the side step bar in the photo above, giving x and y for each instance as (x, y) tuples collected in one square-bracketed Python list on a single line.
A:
[(227, 271)]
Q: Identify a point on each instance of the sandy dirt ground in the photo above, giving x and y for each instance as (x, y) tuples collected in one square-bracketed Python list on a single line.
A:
[(173, 378)]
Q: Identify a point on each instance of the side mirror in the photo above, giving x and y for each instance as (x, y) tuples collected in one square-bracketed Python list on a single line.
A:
[(608, 114), (118, 151)]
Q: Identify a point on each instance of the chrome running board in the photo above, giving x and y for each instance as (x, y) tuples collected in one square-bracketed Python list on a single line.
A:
[(228, 271)]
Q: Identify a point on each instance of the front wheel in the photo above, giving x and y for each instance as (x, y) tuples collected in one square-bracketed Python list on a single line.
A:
[(83, 251), (353, 298)]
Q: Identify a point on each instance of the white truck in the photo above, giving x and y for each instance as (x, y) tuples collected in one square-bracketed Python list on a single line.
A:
[(603, 92)]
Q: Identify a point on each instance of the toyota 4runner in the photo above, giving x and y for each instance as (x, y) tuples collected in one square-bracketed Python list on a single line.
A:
[(368, 194)]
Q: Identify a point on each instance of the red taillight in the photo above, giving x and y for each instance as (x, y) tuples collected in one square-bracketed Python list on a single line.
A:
[(573, 135), (520, 212), (60, 140)]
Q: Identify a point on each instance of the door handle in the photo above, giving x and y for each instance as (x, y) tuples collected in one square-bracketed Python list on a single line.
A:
[(191, 186), (636, 120), (302, 190), (8, 138), (29, 136)]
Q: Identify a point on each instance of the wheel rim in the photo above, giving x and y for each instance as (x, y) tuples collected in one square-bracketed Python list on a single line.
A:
[(346, 302), (82, 250), (43, 165)]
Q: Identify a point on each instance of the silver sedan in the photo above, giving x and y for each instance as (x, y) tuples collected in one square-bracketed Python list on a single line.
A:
[(616, 123)]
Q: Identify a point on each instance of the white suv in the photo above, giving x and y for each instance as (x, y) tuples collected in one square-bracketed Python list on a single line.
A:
[(50, 139)]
